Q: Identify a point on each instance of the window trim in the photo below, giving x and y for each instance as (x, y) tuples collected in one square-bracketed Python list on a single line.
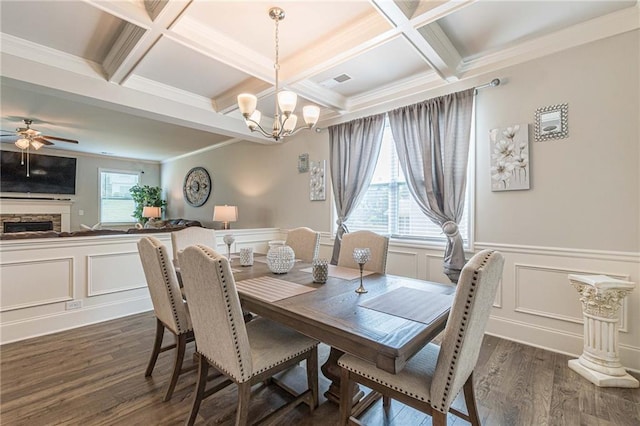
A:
[(110, 170)]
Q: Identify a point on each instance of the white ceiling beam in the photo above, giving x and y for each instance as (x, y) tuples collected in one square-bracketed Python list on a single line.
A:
[(134, 42), (431, 43), (367, 33), (96, 91)]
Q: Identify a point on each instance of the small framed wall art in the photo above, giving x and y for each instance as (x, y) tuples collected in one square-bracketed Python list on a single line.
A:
[(317, 181), (552, 122), (509, 158), (303, 163)]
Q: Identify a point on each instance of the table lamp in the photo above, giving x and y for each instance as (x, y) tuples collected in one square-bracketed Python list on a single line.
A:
[(151, 213), (225, 214)]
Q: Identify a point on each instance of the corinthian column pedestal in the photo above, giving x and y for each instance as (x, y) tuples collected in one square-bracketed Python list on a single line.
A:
[(601, 297)]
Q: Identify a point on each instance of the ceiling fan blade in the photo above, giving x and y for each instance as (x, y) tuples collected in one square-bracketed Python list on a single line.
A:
[(44, 141), (55, 138), (8, 134)]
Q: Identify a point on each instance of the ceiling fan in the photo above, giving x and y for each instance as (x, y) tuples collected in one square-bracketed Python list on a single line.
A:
[(32, 138)]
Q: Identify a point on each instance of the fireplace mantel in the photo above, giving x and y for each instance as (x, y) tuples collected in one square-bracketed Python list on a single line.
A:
[(31, 206)]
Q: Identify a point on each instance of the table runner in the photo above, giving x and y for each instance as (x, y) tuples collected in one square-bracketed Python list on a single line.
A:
[(410, 303), (271, 289), (342, 272)]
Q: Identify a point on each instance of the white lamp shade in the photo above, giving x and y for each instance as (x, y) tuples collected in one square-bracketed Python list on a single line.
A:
[(22, 143), (247, 103), (311, 113), (37, 144), (225, 213), (290, 123), (255, 117), (149, 211), (287, 101)]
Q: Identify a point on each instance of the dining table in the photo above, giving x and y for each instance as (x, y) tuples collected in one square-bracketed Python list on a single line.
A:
[(387, 325)]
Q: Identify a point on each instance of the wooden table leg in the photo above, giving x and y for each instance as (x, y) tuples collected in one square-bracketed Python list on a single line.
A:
[(331, 371)]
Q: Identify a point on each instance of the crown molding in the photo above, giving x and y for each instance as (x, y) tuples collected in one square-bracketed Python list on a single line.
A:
[(609, 25), (18, 47), (174, 94)]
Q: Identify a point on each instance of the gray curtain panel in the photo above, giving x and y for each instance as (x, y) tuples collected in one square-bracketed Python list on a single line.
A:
[(432, 142), (353, 152)]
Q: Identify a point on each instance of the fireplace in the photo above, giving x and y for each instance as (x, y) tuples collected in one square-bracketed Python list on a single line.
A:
[(27, 226), (35, 210)]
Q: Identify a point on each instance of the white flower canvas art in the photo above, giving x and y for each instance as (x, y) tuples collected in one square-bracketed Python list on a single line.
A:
[(509, 158)]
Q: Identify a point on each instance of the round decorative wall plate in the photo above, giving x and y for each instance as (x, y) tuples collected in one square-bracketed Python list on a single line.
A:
[(197, 186)]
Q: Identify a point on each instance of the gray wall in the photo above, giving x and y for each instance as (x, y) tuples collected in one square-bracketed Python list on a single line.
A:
[(584, 189), (87, 197)]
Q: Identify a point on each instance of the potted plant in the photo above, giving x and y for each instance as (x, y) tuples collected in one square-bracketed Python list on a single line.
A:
[(146, 196)]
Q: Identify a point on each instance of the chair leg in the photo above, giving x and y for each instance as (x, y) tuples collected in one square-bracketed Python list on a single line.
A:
[(438, 418), (157, 345), (181, 345), (244, 395), (470, 401), (386, 402), (198, 395), (346, 390), (312, 377)]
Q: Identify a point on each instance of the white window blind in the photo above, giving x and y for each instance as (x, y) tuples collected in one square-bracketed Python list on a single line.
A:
[(388, 208), (116, 203)]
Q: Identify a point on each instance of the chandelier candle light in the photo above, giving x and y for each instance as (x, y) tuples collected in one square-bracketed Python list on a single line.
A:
[(284, 122)]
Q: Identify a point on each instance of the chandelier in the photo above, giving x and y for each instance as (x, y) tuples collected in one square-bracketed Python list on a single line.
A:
[(284, 122)]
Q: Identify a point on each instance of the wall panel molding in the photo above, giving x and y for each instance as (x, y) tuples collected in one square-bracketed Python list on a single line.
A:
[(22, 282), (519, 283), (106, 273), (616, 256)]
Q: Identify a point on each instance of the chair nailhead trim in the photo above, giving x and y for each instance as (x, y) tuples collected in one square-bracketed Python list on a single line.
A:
[(165, 277), (377, 380), (461, 332)]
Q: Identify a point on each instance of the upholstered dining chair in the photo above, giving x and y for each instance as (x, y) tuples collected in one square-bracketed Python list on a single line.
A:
[(305, 243), (379, 245), (170, 309), (190, 236), (432, 378), (245, 353)]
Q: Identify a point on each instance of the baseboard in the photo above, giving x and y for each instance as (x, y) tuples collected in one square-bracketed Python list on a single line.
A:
[(60, 321)]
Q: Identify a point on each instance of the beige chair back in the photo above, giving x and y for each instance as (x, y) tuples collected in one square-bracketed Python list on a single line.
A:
[(163, 285), (378, 244), (475, 294), (215, 310), (191, 236), (305, 243)]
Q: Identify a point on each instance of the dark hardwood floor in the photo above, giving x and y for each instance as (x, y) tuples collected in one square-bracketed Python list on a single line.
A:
[(94, 375)]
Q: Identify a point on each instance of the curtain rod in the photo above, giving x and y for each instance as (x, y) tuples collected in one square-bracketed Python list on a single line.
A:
[(492, 83)]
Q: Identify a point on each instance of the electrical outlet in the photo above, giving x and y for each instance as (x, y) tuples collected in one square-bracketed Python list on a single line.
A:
[(74, 304)]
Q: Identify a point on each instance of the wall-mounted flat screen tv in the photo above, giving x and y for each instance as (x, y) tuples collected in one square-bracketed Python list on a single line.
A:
[(48, 174)]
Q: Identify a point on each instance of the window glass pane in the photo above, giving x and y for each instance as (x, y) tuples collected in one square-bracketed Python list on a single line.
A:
[(387, 206), (116, 203)]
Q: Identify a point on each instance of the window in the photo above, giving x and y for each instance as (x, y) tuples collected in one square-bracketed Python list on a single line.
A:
[(388, 208), (116, 203)]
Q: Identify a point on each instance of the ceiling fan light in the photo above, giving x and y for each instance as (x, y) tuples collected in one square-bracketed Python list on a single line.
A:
[(254, 120), (287, 101), (37, 144), (311, 113), (22, 143), (290, 123), (247, 104)]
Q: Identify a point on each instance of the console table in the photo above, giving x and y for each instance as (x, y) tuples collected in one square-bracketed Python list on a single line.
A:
[(601, 297)]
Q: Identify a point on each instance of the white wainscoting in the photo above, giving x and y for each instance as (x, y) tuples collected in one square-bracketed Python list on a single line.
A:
[(535, 303), (22, 283), (104, 273)]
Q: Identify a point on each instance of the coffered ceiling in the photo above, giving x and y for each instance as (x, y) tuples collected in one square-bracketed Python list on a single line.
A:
[(156, 79)]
